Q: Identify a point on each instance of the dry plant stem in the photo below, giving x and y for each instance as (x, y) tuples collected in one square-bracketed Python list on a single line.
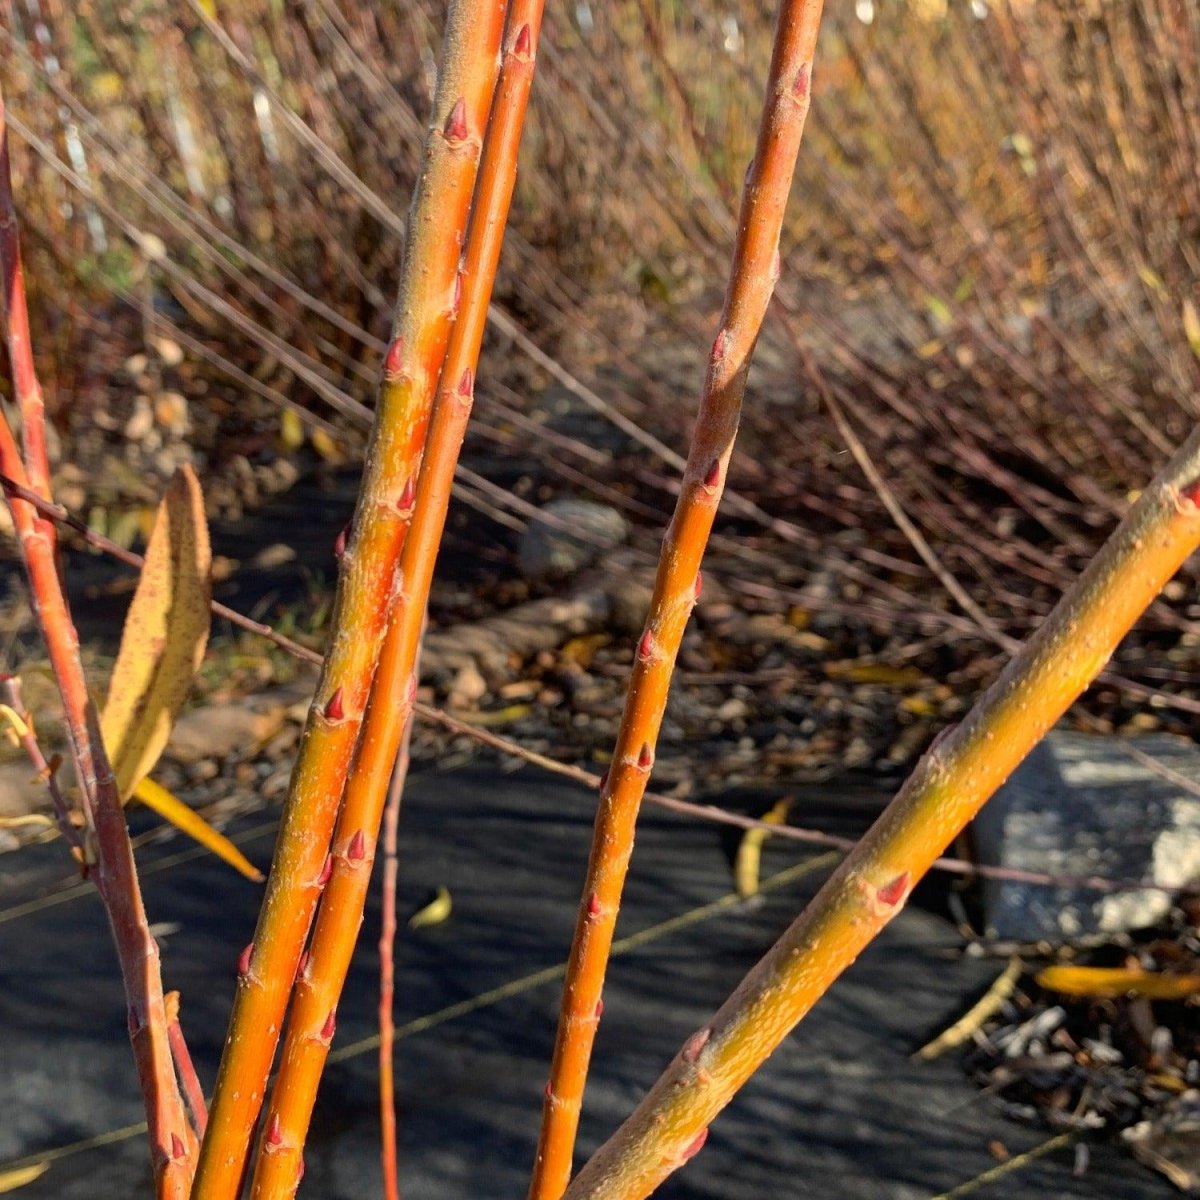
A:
[(184, 1067), (387, 973), (115, 873), (319, 985), (752, 278), (413, 362), (33, 750), (948, 787), (703, 812)]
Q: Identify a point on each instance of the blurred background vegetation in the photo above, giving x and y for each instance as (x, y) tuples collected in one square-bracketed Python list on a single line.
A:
[(992, 260)]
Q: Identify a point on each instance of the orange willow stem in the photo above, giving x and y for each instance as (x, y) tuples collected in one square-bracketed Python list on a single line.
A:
[(319, 986), (702, 812), (427, 304), (677, 585), (115, 874), (949, 786)]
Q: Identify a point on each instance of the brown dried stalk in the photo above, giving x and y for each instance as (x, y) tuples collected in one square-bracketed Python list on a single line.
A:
[(752, 278), (115, 874), (949, 786), (387, 972), (429, 297), (320, 982)]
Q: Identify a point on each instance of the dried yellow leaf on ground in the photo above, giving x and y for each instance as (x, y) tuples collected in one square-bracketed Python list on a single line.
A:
[(879, 673), (748, 862), (11, 1180), (1118, 981), (435, 912), (1191, 326), (165, 634)]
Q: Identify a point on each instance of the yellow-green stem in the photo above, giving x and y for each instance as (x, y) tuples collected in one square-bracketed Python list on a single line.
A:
[(949, 786)]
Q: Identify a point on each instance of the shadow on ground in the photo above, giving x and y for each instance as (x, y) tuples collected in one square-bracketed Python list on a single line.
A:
[(838, 1112)]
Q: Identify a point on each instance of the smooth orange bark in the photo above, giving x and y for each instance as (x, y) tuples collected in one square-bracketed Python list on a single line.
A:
[(752, 279)]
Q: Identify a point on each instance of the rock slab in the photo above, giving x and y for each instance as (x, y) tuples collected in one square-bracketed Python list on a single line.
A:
[(1082, 805)]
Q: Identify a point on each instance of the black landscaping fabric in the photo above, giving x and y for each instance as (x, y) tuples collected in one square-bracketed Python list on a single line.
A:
[(839, 1112)]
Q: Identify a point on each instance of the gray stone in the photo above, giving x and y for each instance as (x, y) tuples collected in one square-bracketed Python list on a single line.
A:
[(568, 536), (1083, 806)]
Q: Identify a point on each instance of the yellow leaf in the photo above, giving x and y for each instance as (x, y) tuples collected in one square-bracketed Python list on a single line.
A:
[(435, 912), (291, 430), (187, 820), (1118, 981), (327, 448), (1153, 280), (497, 716), (164, 637), (875, 673), (1191, 326), (749, 852), (20, 1176)]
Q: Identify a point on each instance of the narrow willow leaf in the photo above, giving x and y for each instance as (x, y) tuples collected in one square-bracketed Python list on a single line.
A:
[(1118, 981), (18, 1178), (747, 863), (1191, 326), (187, 820), (164, 637)]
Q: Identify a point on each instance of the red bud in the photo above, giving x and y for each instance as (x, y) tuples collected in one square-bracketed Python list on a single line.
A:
[(393, 360), (456, 122), (892, 893)]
